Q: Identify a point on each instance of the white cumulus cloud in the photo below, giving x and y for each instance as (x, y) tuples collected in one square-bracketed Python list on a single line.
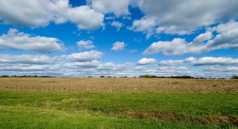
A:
[(28, 59), (85, 56), (171, 62), (226, 38), (118, 46), (145, 25), (215, 61), (202, 37), (146, 61), (91, 64), (37, 13), (111, 6), (21, 41), (204, 61), (116, 24), (177, 46), (182, 17), (85, 44), (176, 62), (84, 17)]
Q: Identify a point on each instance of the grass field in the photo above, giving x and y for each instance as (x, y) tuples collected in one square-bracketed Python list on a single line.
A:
[(118, 103)]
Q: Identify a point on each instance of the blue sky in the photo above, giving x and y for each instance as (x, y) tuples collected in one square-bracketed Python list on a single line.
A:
[(80, 38)]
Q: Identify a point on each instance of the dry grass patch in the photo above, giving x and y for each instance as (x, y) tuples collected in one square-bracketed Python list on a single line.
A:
[(217, 120), (129, 85)]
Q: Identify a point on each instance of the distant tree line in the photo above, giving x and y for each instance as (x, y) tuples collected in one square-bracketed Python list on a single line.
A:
[(154, 76), (184, 76), (142, 76), (109, 77), (27, 76)]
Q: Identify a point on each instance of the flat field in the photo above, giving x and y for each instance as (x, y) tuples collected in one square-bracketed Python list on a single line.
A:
[(128, 85), (118, 103)]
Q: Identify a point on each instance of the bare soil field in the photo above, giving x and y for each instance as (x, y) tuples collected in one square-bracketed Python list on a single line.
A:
[(128, 85)]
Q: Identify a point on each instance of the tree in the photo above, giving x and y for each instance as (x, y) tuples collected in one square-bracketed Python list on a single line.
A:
[(148, 76), (234, 77)]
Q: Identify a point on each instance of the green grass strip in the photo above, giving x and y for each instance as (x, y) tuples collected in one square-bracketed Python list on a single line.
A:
[(117, 110)]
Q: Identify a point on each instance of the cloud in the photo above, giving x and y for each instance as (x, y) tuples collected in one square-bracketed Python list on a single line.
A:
[(26, 12), (84, 17), (177, 46), (232, 69), (141, 67), (218, 71), (204, 61), (146, 61), (171, 62), (116, 24), (132, 51), (182, 17), (58, 66), (118, 46), (145, 25), (226, 38), (125, 66), (37, 13), (107, 66), (202, 37), (119, 8), (21, 69), (110, 69), (85, 56), (215, 61), (85, 44), (28, 59), (160, 16), (91, 64), (176, 62), (225, 27), (21, 41), (168, 71)]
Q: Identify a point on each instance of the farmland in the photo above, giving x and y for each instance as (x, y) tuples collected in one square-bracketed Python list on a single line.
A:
[(118, 103), (128, 85)]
